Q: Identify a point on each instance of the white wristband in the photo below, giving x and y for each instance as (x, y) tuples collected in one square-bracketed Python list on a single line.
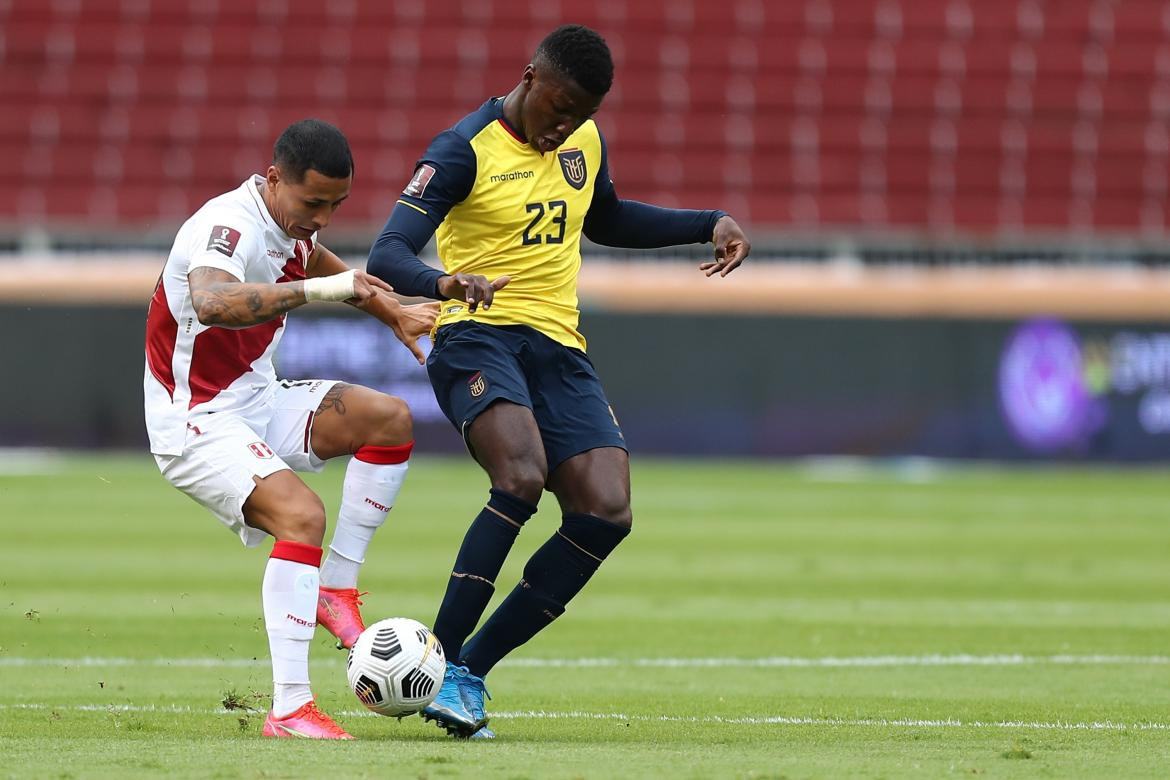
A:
[(338, 287)]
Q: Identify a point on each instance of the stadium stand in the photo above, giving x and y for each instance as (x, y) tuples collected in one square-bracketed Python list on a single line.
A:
[(996, 116)]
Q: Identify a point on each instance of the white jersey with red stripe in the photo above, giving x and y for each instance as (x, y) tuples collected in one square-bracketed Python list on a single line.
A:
[(193, 368)]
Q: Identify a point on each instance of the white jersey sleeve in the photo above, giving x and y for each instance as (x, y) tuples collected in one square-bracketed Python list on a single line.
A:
[(218, 243)]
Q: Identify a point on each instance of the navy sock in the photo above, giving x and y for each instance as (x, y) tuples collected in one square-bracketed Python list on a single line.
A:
[(477, 565), (553, 575)]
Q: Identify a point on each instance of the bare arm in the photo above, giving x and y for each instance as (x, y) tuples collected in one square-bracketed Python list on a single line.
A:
[(221, 299), (407, 322)]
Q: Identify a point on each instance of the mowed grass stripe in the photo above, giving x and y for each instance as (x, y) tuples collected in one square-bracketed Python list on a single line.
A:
[(879, 661), (770, 720)]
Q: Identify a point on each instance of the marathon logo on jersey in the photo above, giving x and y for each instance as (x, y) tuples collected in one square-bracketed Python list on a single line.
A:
[(573, 166), (418, 185), (499, 178), (223, 240), (261, 450), (477, 384)]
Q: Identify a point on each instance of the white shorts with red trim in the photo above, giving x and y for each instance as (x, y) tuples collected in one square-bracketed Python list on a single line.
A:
[(224, 451)]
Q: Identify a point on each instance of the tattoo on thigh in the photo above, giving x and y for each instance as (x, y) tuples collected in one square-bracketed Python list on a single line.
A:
[(333, 399)]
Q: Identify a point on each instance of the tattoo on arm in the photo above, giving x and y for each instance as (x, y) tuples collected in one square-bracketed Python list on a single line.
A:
[(220, 299)]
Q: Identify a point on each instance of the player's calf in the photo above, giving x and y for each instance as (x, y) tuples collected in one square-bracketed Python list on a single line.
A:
[(554, 574), (284, 507), (372, 480)]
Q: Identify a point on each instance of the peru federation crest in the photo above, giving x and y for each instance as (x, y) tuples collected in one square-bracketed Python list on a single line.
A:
[(573, 166)]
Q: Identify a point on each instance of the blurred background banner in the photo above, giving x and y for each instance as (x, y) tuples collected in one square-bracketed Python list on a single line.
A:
[(958, 208), (682, 383)]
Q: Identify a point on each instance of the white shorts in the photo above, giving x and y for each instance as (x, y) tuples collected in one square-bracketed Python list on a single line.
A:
[(224, 451)]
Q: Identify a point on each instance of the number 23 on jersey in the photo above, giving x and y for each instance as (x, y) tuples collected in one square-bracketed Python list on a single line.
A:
[(557, 211)]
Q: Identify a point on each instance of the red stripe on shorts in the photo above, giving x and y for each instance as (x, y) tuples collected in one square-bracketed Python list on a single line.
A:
[(308, 429)]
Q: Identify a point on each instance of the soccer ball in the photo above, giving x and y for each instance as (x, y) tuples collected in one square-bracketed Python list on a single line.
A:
[(396, 667)]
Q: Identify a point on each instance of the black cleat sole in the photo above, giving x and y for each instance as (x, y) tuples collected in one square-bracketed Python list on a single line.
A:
[(457, 730)]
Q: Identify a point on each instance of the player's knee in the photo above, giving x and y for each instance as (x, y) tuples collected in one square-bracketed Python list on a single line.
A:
[(612, 507), (614, 510), (619, 514), (525, 480), (393, 423), (304, 519)]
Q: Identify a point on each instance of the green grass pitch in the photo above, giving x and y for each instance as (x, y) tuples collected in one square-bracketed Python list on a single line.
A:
[(873, 622)]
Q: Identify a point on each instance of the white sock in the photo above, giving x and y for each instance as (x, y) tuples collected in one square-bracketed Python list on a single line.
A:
[(371, 486), (290, 615)]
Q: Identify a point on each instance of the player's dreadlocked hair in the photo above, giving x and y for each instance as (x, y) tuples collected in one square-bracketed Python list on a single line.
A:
[(311, 143), (581, 54)]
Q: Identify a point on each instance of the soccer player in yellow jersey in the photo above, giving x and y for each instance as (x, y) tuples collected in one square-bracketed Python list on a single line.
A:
[(509, 190)]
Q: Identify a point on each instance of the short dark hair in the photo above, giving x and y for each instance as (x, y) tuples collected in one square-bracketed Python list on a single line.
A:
[(311, 143), (581, 54)]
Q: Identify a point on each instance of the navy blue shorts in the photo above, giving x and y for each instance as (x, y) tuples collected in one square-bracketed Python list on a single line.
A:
[(473, 365)]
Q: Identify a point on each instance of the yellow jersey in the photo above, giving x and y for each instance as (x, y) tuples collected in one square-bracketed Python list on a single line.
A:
[(498, 208)]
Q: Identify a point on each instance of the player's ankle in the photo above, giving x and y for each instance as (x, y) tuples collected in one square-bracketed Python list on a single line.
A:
[(287, 698)]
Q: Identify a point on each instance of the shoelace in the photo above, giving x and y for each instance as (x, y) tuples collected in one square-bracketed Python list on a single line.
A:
[(476, 681), (314, 713), (356, 598), (464, 674)]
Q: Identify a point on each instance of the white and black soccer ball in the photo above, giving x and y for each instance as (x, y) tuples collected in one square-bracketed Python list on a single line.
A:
[(396, 667)]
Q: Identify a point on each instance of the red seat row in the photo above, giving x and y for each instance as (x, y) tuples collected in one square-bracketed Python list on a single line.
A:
[(998, 112)]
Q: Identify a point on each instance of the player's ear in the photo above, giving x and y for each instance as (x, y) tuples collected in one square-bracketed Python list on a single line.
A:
[(529, 75), (272, 175)]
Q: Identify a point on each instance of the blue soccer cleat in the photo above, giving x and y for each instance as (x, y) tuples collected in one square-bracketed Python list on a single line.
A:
[(484, 733), (473, 689), (448, 709)]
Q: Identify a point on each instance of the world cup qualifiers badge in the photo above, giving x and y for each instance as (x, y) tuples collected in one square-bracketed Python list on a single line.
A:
[(223, 240)]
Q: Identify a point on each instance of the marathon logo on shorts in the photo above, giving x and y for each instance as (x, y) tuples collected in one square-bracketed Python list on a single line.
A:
[(261, 450), (573, 166), (477, 384), (223, 240), (418, 185)]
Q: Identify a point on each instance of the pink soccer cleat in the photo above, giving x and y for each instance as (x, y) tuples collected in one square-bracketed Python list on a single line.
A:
[(307, 722), (337, 611)]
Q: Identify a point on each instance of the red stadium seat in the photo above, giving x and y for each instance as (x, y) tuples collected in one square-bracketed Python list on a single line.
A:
[(834, 112)]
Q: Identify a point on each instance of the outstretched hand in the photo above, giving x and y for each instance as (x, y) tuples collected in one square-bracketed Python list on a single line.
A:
[(407, 322), (471, 288), (415, 321), (731, 248), (366, 286)]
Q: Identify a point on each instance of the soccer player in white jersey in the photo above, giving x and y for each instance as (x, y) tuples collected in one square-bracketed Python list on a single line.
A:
[(227, 433)]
